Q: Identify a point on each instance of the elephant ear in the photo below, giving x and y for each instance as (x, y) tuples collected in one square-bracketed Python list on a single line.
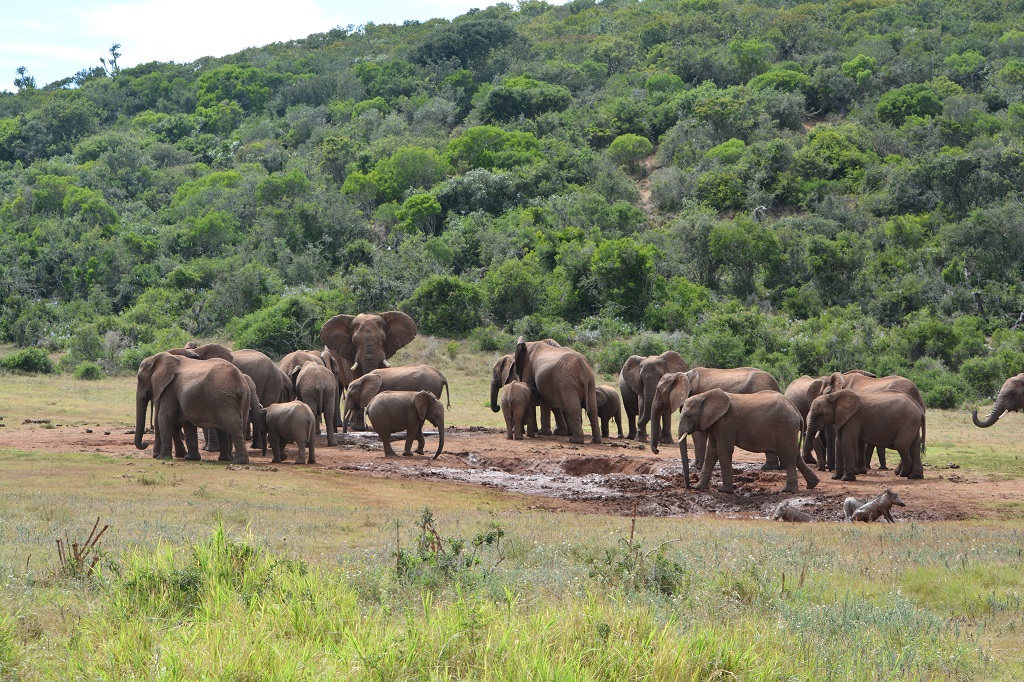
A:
[(185, 353), (631, 373), (370, 387), (846, 405), (674, 361), (693, 376), (602, 396), (164, 370), (552, 343), (520, 358), (836, 382), (329, 362), (214, 350), (507, 369), (400, 331), (422, 403), (716, 404), (294, 378), (344, 367), (815, 388), (674, 388), (336, 334)]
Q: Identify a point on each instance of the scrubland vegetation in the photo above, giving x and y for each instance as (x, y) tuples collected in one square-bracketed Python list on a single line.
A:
[(797, 187)]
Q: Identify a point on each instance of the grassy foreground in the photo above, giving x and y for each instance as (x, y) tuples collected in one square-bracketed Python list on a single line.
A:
[(213, 574)]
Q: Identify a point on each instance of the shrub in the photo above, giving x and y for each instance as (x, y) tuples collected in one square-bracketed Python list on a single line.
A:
[(89, 371), (490, 338), (32, 360), (611, 358), (445, 306)]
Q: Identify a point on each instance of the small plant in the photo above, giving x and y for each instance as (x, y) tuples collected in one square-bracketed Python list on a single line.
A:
[(32, 360), (451, 349), (79, 560), (146, 480), (438, 560), (89, 371)]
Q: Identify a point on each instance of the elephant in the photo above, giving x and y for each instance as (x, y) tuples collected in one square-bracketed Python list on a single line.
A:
[(865, 382), (801, 392), (638, 380), (764, 421), (517, 408), (408, 378), (1010, 398), (195, 393), (563, 380), (504, 372), (367, 341), (291, 422), (272, 385), (609, 407), (317, 386), (329, 360), (675, 387), (887, 418), (393, 411)]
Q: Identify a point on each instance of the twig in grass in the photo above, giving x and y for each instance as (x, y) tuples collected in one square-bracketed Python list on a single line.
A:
[(79, 560)]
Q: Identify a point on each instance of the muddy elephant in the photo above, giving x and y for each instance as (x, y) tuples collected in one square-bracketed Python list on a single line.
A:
[(291, 422), (609, 407), (366, 341), (1010, 399), (865, 382), (394, 411), (564, 381), (674, 388), (638, 380), (517, 409), (764, 421), (504, 372), (192, 393), (416, 377), (317, 386), (886, 418)]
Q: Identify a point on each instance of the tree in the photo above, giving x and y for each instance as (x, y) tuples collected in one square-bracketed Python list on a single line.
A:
[(110, 67), (624, 275), (913, 99), (24, 81), (445, 305), (629, 150)]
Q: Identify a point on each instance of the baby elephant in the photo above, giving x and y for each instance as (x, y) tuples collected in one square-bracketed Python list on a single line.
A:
[(609, 406), (877, 507), (394, 411), (292, 422), (516, 407)]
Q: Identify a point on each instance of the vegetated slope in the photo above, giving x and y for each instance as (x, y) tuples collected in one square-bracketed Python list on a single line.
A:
[(482, 175)]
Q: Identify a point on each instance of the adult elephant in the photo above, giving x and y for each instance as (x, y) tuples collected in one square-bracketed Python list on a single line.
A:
[(504, 372), (675, 387), (638, 380), (1010, 399), (191, 393), (317, 387), (416, 377), (564, 381), (801, 392), (367, 341), (340, 370), (864, 382)]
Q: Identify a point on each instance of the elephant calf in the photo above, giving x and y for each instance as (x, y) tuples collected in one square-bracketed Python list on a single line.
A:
[(393, 411), (517, 408), (609, 407), (291, 422)]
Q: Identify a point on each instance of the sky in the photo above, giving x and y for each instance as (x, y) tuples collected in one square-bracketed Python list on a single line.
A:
[(54, 39)]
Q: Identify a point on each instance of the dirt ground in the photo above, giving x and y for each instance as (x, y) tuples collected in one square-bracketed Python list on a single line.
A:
[(615, 477)]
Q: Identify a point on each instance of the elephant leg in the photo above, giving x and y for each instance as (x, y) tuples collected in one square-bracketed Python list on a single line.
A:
[(238, 441), (848, 449), (545, 421), (561, 424), (300, 456), (818, 445), (421, 442), (830, 447), (509, 428), (771, 462), (864, 458), (573, 421), (161, 443), (708, 460), (180, 451), (881, 459), (191, 442), (604, 426), (277, 446), (357, 422), (793, 464), (531, 422), (700, 445), (386, 440), (618, 424), (224, 440), (312, 450), (916, 466), (211, 440), (631, 422), (332, 437), (666, 429), (725, 459)]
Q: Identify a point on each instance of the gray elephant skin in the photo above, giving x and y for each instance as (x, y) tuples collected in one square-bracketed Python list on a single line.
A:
[(366, 341), (394, 411), (416, 377), (1010, 399), (886, 418), (192, 393), (291, 422), (517, 409), (674, 388), (504, 372), (340, 368), (638, 380), (564, 381), (317, 386), (757, 422), (609, 407)]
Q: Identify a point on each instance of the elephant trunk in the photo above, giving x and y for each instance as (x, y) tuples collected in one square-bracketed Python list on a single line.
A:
[(684, 455), (655, 434), (812, 430), (141, 406), (494, 396), (440, 438), (997, 411), (645, 407), (367, 360)]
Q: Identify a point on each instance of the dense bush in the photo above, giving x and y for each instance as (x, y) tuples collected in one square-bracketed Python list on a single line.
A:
[(31, 360)]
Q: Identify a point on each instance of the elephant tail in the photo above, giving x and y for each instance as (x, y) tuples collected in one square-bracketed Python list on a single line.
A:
[(448, 393), (923, 431)]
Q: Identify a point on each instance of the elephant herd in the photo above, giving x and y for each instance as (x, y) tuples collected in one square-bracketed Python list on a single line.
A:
[(842, 418)]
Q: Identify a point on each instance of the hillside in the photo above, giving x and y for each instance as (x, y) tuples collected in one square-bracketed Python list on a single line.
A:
[(799, 187)]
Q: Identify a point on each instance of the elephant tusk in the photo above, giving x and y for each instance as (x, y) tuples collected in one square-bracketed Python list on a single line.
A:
[(386, 364), (355, 366)]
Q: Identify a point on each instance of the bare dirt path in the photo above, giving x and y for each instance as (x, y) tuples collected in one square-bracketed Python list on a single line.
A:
[(615, 477)]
